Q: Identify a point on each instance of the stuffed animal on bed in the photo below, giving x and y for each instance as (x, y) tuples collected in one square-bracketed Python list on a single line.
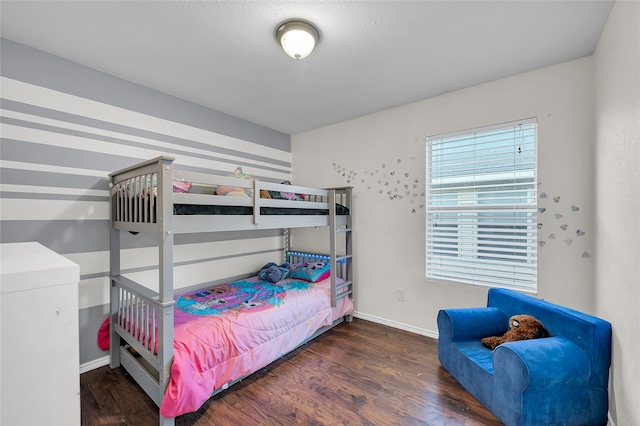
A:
[(274, 273), (234, 191), (521, 327)]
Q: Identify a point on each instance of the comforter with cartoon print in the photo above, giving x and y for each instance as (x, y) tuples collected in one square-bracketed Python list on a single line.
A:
[(226, 332)]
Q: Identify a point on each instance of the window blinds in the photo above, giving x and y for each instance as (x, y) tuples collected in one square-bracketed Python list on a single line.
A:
[(481, 206)]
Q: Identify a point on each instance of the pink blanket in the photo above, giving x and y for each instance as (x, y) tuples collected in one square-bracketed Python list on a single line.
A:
[(214, 346)]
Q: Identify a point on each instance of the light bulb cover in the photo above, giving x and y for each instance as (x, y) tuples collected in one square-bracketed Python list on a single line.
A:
[(297, 38)]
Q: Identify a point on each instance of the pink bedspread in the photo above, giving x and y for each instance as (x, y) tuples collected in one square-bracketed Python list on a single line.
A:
[(213, 350)]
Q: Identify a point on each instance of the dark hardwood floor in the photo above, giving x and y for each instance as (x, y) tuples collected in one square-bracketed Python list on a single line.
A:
[(359, 373)]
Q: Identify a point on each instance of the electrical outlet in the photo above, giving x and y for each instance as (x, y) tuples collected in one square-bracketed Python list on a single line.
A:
[(401, 295)]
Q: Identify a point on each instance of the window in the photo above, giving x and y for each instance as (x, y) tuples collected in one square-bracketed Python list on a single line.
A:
[(481, 206)]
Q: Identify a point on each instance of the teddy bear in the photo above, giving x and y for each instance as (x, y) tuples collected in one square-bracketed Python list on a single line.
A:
[(521, 327)]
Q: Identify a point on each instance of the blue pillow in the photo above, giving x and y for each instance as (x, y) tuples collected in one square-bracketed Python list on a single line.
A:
[(310, 271)]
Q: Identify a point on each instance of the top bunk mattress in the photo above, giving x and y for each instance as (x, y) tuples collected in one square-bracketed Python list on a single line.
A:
[(200, 209)]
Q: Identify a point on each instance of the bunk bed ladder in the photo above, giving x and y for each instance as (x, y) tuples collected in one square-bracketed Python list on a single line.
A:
[(341, 258)]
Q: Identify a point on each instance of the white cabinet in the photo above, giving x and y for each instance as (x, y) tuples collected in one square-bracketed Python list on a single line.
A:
[(39, 348)]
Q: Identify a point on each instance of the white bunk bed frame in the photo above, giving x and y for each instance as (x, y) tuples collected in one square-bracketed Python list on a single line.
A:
[(136, 311)]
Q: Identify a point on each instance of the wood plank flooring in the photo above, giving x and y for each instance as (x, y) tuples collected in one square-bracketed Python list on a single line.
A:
[(358, 373)]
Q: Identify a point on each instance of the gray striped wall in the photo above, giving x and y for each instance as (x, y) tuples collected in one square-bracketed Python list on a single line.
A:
[(65, 126)]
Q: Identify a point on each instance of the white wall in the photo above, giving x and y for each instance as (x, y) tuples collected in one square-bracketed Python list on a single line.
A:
[(383, 152), (617, 187)]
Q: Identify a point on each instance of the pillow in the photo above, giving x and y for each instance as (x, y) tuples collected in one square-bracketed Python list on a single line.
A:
[(181, 186), (103, 335), (276, 195), (233, 190), (311, 271)]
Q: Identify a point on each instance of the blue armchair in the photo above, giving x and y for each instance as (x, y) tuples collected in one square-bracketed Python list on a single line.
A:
[(559, 380)]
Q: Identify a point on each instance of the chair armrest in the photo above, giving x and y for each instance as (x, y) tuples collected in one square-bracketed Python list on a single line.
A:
[(464, 324), (540, 365)]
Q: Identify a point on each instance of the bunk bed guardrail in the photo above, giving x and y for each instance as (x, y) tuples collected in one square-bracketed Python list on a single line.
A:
[(139, 194)]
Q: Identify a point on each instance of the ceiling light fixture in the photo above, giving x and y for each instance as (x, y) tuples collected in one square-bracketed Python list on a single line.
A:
[(297, 38)]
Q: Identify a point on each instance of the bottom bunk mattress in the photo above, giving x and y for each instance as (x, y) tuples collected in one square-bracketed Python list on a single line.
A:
[(225, 332)]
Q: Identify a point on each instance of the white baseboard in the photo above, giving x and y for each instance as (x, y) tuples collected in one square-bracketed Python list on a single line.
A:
[(96, 363), (396, 324)]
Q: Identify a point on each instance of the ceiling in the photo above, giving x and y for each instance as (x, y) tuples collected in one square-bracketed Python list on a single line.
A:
[(372, 55)]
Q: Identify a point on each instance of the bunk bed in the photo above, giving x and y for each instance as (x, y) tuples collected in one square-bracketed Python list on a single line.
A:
[(156, 335)]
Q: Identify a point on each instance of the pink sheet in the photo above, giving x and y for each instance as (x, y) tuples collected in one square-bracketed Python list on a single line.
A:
[(211, 351)]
